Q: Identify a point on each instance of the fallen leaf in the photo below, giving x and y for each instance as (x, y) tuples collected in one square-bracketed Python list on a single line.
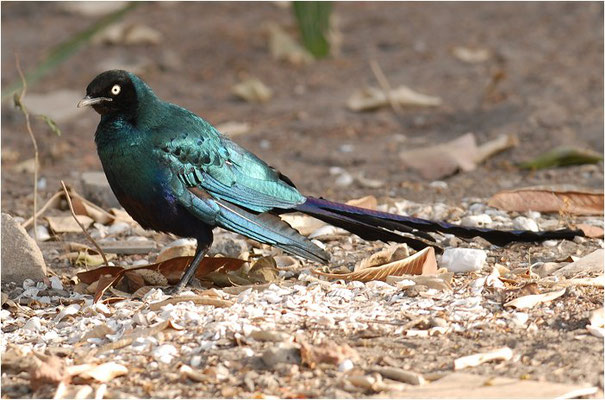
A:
[(185, 250), (590, 263), (85, 207), (463, 153), (471, 55), (372, 98), (392, 253), (67, 224), (503, 353), (591, 231), (534, 299), (597, 323), (302, 223), (49, 371), (421, 263), (368, 202), (562, 199), (264, 270), (97, 332), (563, 156), (283, 47), (252, 90)]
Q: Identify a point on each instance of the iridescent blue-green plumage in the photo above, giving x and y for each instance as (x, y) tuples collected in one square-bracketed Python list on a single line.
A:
[(174, 172)]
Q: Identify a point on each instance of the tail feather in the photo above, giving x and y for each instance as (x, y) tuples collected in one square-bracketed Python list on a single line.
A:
[(381, 224)]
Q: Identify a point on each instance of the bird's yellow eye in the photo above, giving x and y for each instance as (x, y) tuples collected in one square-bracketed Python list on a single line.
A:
[(115, 90)]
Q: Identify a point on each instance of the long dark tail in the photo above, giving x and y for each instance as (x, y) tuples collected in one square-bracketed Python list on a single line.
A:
[(376, 225)]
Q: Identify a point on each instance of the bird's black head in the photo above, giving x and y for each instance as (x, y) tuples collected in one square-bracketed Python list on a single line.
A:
[(112, 92)]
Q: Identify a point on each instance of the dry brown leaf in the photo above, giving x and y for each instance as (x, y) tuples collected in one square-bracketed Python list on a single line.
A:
[(284, 47), (438, 161), (368, 202), (562, 199), (67, 224), (48, 371), (302, 223), (371, 98), (186, 250), (264, 270), (591, 231), (98, 331), (391, 253), (85, 207), (421, 263), (252, 90)]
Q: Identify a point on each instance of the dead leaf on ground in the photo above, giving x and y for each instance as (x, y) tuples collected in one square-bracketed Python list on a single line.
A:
[(368, 202), (392, 253), (503, 353), (67, 224), (172, 270), (462, 153), (304, 224), (49, 371), (532, 300), (264, 270), (471, 55), (252, 90), (563, 199), (185, 250), (284, 47), (591, 231), (591, 263), (371, 98), (421, 263), (441, 281)]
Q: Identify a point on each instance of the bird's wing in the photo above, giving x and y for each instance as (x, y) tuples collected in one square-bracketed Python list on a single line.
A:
[(202, 157), (224, 185)]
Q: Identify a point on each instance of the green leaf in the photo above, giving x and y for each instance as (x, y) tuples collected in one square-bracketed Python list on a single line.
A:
[(314, 21), (562, 156)]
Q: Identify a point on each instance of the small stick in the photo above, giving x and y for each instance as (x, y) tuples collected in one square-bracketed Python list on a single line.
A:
[(384, 85), (42, 210), (33, 138), (73, 213)]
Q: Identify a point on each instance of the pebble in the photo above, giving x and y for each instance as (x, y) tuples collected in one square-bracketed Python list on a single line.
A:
[(43, 233), (164, 353), (463, 260), (438, 185), (33, 324), (345, 365), (55, 283), (282, 353), (525, 224), (118, 228), (481, 220)]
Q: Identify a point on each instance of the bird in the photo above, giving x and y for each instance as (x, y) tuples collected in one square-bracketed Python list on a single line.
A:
[(173, 171)]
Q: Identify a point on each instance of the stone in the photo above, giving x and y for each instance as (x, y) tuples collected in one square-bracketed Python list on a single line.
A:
[(21, 256), (228, 246), (463, 260), (95, 188)]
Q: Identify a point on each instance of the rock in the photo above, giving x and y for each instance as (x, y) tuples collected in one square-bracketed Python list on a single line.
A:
[(480, 221), (228, 246), (96, 189), (42, 233), (282, 353), (592, 263), (463, 260), (21, 256), (525, 224)]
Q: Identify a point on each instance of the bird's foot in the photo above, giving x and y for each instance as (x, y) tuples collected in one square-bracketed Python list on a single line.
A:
[(173, 290)]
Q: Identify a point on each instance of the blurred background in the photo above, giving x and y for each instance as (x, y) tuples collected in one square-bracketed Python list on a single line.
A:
[(316, 90)]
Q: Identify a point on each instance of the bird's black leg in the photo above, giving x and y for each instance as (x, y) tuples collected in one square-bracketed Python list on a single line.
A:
[(200, 252)]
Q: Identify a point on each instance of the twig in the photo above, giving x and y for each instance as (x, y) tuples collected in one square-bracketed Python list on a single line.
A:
[(42, 210), (385, 86), (73, 213), (19, 101)]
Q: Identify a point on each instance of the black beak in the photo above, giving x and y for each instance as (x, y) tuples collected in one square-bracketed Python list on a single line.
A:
[(90, 101)]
